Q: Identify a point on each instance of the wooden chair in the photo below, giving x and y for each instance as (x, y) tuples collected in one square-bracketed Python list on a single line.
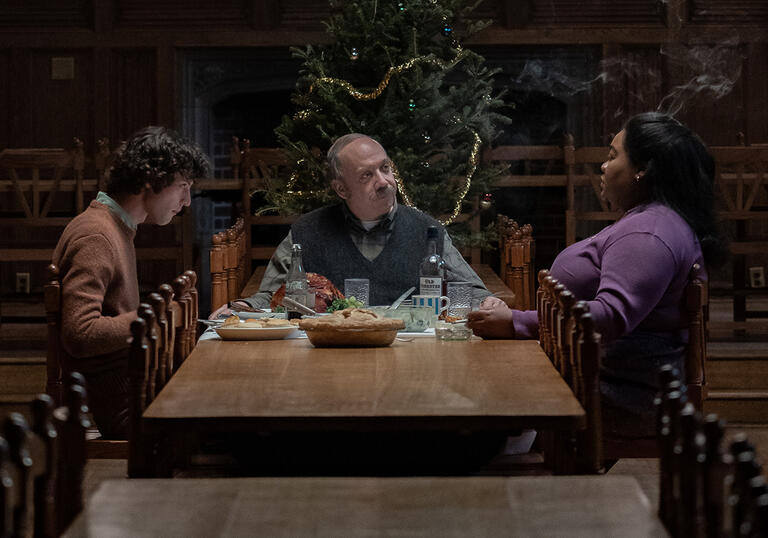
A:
[(541, 305), (172, 329), (529, 166), (741, 182), (218, 256), (584, 203), (36, 176), (186, 318), (589, 442), (55, 384), (704, 489), (52, 299), (696, 301), (140, 450), (518, 250), (230, 266), (561, 335), (505, 227), (162, 309), (148, 455), (696, 307), (41, 467), (263, 165), (102, 161), (582, 452), (48, 187), (258, 168)]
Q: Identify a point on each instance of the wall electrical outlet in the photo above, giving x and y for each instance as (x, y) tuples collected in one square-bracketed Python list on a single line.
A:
[(756, 277), (22, 283)]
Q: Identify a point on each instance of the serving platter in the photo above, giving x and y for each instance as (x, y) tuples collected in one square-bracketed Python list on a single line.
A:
[(255, 333)]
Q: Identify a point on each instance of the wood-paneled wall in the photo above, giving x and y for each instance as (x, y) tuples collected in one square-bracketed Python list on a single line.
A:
[(125, 58), (125, 71)]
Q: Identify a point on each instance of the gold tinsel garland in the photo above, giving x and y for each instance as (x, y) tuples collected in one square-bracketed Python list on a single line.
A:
[(360, 96), (395, 70)]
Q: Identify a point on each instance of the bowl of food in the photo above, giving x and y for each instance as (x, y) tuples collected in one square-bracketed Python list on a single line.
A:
[(351, 327), (452, 331)]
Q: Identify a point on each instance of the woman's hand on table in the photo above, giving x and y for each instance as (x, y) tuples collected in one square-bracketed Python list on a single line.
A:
[(492, 320)]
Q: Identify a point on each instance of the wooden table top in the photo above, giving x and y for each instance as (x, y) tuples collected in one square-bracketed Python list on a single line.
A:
[(544, 506), (421, 384)]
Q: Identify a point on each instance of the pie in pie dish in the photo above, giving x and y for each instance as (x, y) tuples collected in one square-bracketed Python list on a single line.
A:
[(351, 327)]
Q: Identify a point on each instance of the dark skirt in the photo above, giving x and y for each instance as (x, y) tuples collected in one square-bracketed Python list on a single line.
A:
[(629, 380)]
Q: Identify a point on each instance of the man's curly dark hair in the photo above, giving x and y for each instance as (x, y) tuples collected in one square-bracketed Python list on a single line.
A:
[(154, 155)]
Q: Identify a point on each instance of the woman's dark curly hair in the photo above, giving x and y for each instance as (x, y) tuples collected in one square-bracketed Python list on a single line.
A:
[(680, 173), (154, 155)]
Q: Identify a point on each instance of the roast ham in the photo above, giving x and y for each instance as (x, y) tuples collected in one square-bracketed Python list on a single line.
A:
[(325, 293)]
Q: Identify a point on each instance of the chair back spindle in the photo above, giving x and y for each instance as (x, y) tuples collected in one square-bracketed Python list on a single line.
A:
[(52, 299), (589, 359), (138, 371), (41, 467), (152, 334), (696, 303)]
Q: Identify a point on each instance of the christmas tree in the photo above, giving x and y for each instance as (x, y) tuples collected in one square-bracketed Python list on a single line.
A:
[(396, 71)]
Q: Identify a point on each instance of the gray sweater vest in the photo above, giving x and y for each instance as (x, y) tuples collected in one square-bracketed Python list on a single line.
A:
[(329, 250)]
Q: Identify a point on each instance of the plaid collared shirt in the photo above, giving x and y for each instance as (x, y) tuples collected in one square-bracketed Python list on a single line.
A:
[(371, 242)]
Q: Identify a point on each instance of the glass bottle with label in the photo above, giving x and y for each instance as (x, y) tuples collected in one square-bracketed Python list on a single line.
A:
[(432, 268), (296, 285)]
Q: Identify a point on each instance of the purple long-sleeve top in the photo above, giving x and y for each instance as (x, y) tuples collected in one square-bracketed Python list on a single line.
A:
[(632, 274)]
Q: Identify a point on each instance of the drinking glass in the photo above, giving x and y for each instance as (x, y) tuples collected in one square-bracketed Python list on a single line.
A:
[(460, 295), (359, 287)]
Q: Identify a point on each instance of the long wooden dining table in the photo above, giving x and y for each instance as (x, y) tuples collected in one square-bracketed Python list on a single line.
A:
[(545, 506), (419, 385)]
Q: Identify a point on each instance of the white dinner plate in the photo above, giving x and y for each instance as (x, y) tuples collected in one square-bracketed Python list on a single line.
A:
[(255, 333)]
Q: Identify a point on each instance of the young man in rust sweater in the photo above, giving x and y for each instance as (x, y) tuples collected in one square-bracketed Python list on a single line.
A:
[(150, 182)]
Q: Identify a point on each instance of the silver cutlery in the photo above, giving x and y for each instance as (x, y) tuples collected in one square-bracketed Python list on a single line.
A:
[(400, 299), (287, 301)]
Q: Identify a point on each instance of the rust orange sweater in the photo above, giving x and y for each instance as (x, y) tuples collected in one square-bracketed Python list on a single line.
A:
[(100, 290)]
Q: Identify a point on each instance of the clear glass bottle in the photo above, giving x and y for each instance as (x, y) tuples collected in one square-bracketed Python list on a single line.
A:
[(432, 268), (296, 285)]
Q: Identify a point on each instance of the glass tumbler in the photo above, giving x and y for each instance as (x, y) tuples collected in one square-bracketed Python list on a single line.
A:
[(460, 295), (357, 287)]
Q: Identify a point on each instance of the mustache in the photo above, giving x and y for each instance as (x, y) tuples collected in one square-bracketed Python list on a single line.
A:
[(384, 191)]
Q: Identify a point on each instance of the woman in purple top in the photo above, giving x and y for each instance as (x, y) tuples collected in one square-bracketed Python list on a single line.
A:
[(632, 274)]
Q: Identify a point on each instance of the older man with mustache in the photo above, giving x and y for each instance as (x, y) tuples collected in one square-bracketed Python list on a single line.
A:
[(368, 235)]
